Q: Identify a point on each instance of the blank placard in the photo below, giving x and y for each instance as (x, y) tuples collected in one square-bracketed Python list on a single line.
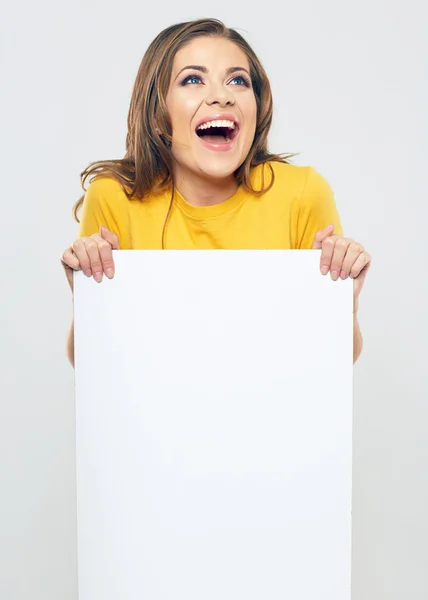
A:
[(214, 428)]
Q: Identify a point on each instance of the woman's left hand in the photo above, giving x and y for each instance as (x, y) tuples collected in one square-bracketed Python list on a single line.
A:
[(344, 258)]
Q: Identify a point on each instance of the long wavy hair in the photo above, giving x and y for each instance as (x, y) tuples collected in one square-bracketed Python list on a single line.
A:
[(147, 164)]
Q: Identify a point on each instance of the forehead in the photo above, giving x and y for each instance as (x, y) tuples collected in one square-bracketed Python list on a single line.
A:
[(211, 52)]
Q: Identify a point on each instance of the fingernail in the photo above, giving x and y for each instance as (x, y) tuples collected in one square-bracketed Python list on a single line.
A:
[(88, 272), (98, 276), (343, 275), (109, 273), (324, 270), (334, 275)]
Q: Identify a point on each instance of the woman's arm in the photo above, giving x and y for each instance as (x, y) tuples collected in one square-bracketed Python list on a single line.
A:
[(94, 256), (358, 338), (70, 343)]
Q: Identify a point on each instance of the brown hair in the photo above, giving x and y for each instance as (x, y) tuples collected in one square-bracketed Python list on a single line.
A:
[(147, 164)]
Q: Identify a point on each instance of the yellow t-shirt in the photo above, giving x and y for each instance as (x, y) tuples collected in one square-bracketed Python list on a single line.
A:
[(299, 204)]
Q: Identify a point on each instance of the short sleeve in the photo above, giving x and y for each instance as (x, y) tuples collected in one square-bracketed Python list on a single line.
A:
[(98, 209), (317, 210)]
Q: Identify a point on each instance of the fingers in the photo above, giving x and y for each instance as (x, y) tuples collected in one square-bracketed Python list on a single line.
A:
[(340, 248), (100, 257), (69, 259), (92, 254), (70, 262), (102, 261), (321, 235), (352, 254), (96, 265), (343, 257), (111, 237), (363, 262), (79, 249), (328, 246)]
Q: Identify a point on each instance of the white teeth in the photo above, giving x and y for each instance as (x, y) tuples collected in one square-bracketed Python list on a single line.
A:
[(229, 124)]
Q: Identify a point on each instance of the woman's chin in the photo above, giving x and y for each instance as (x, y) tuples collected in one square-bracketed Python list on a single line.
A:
[(218, 168)]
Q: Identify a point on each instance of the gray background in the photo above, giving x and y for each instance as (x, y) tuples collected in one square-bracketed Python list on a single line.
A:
[(350, 91)]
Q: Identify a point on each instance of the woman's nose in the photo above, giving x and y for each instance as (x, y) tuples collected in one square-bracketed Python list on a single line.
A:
[(221, 96)]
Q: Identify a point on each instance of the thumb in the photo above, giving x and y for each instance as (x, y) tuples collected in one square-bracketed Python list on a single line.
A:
[(321, 235), (110, 237)]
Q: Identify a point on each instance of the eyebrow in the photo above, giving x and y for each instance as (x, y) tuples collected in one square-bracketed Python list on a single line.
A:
[(203, 69)]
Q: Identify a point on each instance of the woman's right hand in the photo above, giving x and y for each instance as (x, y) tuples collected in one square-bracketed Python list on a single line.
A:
[(93, 255)]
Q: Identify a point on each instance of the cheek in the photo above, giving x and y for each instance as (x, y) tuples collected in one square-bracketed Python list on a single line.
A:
[(182, 112), (250, 115), (249, 110)]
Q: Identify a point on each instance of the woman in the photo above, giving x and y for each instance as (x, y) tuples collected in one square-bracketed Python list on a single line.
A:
[(197, 172)]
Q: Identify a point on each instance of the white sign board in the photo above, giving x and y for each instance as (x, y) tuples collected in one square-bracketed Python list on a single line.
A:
[(214, 428)]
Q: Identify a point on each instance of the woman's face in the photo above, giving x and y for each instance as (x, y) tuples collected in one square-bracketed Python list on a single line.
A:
[(212, 107)]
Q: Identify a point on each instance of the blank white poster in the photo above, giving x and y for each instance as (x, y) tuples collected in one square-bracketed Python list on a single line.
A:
[(214, 428)]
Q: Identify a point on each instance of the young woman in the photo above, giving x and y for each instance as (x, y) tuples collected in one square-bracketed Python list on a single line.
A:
[(197, 172)]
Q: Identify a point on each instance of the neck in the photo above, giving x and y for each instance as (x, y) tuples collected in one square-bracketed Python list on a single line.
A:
[(203, 191)]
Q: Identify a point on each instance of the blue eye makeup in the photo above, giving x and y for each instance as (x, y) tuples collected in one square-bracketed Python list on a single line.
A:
[(244, 79), (194, 77), (189, 77)]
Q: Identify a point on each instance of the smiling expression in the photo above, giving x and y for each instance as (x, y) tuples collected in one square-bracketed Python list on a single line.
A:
[(212, 108)]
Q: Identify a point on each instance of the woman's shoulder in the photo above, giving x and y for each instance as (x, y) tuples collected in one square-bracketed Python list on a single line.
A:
[(287, 171), (302, 180), (287, 178), (105, 193), (105, 186), (113, 192)]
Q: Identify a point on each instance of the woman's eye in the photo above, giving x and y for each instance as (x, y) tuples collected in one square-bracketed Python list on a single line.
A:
[(191, 79), (241, 79), (195, 79)]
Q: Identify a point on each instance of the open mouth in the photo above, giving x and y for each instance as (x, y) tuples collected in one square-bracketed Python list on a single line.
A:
[(218, 132)]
